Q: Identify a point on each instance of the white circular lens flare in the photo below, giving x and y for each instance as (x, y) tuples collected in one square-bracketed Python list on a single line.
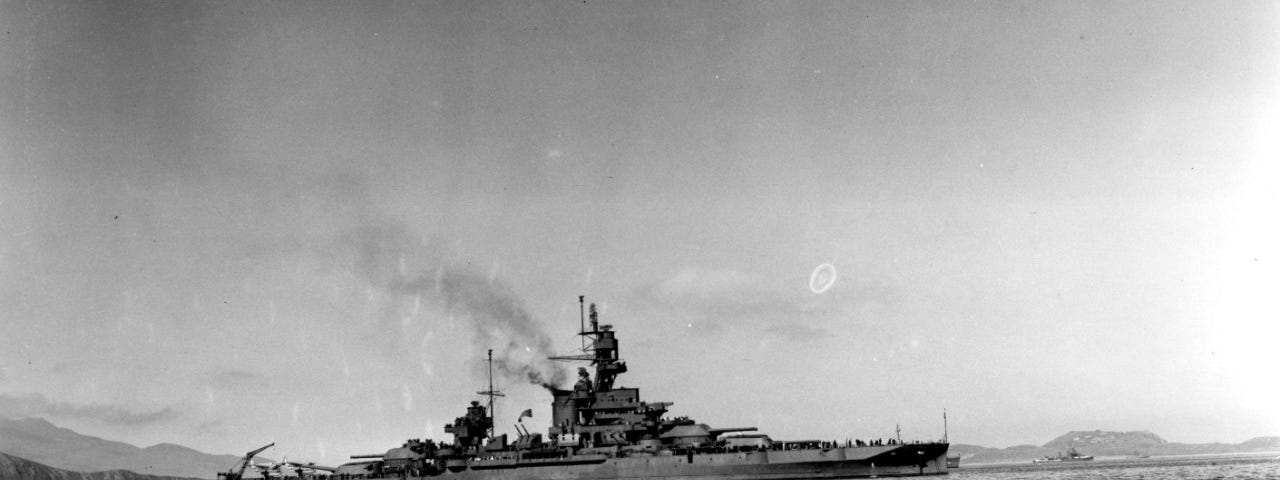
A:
[(822, 278)]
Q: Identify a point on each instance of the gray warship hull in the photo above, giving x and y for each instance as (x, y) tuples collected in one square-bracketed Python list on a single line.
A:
[(603, 432), (847, 462)]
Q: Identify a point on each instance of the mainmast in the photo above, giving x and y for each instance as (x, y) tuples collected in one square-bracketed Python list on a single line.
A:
[(491, 393), (944, 425)]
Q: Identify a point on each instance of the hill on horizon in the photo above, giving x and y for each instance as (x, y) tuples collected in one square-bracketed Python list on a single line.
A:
[(39, 441), (1099, 442), (18, 468), (1108, 443)]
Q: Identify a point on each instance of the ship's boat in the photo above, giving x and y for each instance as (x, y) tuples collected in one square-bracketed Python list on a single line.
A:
[(603, 432)]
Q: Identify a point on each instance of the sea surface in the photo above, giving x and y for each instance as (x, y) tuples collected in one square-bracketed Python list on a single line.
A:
[(1159, 468)]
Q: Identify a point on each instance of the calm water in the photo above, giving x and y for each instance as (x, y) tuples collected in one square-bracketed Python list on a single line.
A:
[(1168, 468)]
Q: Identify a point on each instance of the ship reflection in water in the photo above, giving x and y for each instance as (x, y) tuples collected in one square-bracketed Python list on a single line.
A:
[(602, 432)]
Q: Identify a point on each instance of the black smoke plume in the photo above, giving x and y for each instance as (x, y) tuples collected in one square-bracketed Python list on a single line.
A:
[(394, 260)]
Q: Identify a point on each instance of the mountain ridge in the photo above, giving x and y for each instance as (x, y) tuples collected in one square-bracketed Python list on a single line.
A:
[(39, 441), (15, 468)]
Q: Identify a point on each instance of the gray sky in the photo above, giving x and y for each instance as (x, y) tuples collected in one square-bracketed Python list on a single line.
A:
[(223, 224)]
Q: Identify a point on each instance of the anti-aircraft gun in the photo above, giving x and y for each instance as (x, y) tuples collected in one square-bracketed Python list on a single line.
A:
[(236, 473)]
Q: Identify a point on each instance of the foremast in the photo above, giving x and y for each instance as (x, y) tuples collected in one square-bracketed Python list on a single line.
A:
[(602, 353)]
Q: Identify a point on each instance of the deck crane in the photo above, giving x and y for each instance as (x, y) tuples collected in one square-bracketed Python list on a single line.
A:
[(237, 474)]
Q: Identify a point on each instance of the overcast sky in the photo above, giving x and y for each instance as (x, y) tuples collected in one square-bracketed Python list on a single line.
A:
[(227, 224)]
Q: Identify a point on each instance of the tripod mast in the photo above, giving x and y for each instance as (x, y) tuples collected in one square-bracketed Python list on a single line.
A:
[(491, 393)]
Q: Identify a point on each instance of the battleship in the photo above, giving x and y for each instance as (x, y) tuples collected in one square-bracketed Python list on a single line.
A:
[(600, 431)]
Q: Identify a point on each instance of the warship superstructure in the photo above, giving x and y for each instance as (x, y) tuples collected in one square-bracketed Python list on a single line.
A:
[(603, 432)]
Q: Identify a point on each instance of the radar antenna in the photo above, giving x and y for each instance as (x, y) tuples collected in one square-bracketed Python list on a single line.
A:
[(588, 353)]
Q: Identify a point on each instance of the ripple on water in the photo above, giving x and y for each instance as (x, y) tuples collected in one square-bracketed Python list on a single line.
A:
[(1165, 468)]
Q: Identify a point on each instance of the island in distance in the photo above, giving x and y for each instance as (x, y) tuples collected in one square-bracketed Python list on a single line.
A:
[(1102, 443)]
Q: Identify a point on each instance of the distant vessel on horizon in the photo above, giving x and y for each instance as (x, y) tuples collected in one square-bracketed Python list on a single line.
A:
[(1071, 456)]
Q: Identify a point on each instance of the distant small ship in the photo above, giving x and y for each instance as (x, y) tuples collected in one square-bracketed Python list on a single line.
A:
[(1071, 456), (953, 461)]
